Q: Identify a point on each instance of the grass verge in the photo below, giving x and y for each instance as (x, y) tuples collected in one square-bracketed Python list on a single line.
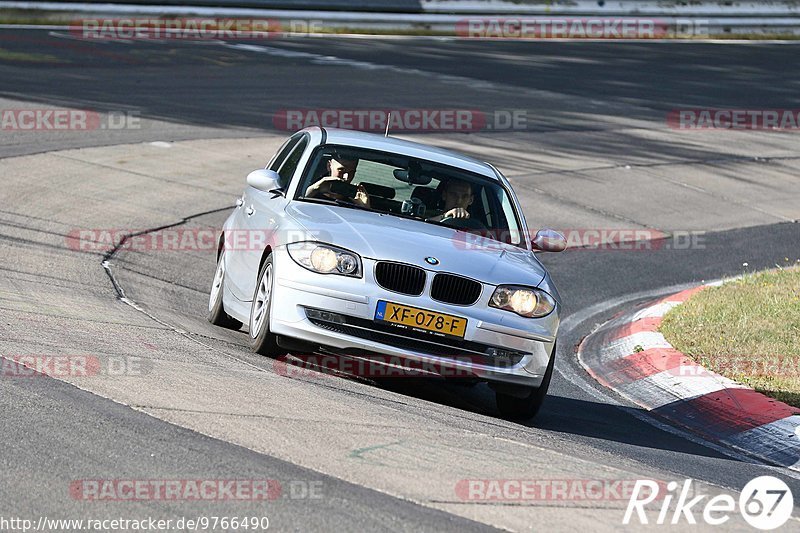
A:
[(747, 330)]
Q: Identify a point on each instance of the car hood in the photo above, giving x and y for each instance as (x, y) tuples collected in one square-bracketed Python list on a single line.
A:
[(387, 237)]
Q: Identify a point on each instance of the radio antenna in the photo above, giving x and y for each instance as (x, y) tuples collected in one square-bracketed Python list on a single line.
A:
[(388, 121)]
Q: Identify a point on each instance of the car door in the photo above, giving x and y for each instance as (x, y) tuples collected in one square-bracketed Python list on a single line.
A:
[(237, 237), (261, 219)]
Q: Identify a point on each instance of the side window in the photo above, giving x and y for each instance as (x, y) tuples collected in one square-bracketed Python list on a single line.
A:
[(290, 165), (280, 157)]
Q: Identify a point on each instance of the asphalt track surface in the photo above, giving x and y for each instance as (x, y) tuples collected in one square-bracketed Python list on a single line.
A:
[(600, 101)]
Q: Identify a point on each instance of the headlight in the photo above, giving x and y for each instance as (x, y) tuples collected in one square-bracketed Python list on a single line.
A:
[(325, 259), (525, 301)]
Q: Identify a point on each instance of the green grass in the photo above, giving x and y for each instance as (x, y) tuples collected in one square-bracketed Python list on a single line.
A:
[(7, 55), (747, 330)]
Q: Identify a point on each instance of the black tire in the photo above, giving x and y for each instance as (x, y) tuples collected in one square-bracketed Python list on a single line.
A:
[(262, 341), (526, 407), (216, 310)]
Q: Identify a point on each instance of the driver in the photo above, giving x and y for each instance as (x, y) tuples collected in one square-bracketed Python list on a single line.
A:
[(338, 170), (457, 197)]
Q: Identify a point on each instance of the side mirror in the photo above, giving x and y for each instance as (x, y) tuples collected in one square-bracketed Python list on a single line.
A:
[(264, 180), (548, 240)]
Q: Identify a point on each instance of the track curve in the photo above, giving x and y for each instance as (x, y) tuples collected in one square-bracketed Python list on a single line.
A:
[(379, 452)]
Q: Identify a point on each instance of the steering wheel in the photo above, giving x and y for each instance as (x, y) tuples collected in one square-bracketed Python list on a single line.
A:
[(464, 223)]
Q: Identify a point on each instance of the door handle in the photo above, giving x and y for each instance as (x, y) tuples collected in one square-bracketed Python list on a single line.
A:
[(250, 210)]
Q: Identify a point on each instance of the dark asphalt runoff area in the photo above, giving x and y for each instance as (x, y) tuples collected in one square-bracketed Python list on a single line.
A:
[(53, 432)]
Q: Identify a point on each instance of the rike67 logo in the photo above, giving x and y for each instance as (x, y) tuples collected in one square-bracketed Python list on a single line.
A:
[(765, 503)]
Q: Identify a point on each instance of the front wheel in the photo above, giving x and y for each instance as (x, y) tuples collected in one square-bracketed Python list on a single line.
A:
[(261, 339), (527, 406), (216, 311)]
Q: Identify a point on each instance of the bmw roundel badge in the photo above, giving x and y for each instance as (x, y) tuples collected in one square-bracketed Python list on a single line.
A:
[(431, 260)]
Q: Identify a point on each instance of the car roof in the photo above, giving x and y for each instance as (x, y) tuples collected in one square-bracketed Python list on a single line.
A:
[(372, 141)]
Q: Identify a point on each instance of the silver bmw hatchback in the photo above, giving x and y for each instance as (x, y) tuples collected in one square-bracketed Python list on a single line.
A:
[(356, 245)]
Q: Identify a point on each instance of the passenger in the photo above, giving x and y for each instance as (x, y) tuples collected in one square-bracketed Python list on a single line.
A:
[(338, 170)]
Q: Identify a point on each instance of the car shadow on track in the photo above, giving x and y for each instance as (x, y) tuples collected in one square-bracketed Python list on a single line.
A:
[(560, 414)]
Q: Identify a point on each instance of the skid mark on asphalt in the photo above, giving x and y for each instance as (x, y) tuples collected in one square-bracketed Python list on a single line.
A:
[(30, 242), (319, 59), (26, 217), (685, 161), (281, 418), (723, 197), (147, 176), (40, 278), (567, 201), (162, 280)]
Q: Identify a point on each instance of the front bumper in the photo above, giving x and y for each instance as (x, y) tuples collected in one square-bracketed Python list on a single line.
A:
[(296, 290)]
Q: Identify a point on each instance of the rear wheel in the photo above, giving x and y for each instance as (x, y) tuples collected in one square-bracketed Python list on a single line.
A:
[(216, 311), (526, 406), (261, 339)]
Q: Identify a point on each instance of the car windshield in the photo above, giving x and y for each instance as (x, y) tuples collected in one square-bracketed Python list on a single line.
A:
[(404, 186)]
